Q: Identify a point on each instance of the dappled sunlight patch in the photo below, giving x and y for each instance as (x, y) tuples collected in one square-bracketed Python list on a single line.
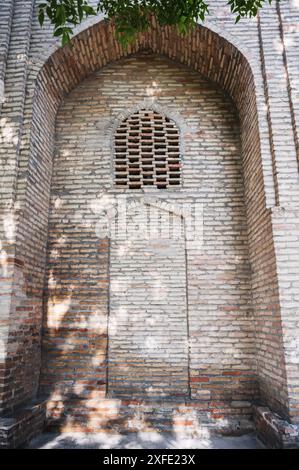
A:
[(9, 226), (151, 343), (293, 347), (155, 391), (153, 89), (58, 203), (57, 309), (124, 248), (97, 320), (2, 91), (64, 153), (3, 342), (8, 132), (3, 261), (98, 358), (99, 412), (120, 316), (188, 425), (138, 421), (160, 290)]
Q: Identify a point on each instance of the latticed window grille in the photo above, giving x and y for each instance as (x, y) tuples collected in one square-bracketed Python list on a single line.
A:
[(147, 151)]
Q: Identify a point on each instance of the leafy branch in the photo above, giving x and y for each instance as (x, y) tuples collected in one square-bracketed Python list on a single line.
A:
[(133, 16)]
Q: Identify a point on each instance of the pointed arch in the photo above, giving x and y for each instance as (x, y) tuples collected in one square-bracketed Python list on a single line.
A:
[(220, 59)]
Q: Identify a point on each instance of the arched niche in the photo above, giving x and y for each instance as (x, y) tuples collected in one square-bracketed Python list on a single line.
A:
[(221, 60)]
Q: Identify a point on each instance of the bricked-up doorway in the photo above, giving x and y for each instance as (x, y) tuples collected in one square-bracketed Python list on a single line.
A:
[(148, 354)]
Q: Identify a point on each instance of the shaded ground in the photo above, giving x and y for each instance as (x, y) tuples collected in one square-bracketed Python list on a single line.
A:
[(148, 440)]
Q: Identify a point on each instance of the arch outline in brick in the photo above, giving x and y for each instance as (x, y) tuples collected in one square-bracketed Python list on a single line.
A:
[(206, 52), (223, 63), (150, 104)]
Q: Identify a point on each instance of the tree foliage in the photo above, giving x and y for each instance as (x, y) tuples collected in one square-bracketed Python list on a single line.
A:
[(133, 16)]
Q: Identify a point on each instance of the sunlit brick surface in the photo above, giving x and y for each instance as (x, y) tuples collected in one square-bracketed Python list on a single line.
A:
[(148, 303), (148, 331), (242, 288)]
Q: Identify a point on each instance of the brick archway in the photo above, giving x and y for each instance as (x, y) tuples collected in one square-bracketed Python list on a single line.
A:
[(223, 63)]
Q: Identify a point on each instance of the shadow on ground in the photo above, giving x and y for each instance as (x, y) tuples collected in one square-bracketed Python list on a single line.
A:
[(141, 440)]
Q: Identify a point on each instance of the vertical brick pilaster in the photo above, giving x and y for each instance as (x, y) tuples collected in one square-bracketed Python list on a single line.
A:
[(279, 39), (286, 236), (6, 8), (288, 14), (283, 143), (11, 135)]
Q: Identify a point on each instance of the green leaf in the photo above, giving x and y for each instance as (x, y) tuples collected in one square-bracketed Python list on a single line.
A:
[(133, 16), (41, 17), (65, 38), (89, 10), (60, 15), (58, 32)]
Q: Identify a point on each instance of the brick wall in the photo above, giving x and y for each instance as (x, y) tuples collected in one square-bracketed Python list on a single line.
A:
[(261, 80), (222, 362)]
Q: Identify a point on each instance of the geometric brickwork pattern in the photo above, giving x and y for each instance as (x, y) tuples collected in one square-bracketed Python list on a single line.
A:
[(147, 151)]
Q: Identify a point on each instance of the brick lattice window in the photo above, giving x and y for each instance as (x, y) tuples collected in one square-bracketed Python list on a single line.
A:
[(147, 151)]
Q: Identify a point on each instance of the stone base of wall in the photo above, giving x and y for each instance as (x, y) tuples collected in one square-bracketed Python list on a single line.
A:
[(26, 423), (123, 416), (191, 419), (274, 431)]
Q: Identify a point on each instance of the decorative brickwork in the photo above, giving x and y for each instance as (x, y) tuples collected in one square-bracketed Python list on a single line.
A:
[(240, 309), (147, 151)]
